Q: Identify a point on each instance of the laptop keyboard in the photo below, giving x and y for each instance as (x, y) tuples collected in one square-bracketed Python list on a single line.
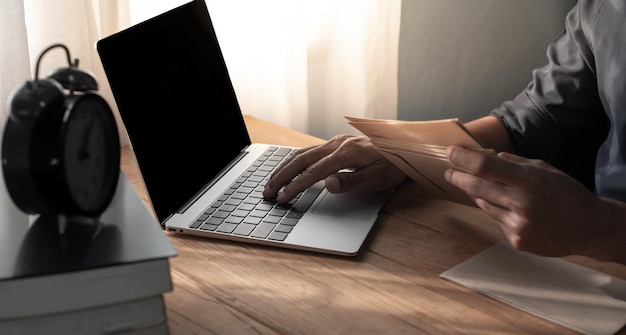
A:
[(241, 210)]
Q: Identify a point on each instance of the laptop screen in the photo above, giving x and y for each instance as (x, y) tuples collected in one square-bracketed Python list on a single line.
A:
[(176, 100)]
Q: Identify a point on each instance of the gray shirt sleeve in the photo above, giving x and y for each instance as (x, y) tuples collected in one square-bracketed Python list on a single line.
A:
[(559, 117)]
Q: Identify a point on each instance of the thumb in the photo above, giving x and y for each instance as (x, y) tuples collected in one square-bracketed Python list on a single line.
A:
[(340, 182)]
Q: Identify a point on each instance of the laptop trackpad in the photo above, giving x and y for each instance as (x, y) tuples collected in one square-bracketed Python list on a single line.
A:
[(352, 205)]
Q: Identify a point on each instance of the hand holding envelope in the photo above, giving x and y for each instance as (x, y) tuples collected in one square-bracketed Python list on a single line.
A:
[(517, 278), (418, 148)]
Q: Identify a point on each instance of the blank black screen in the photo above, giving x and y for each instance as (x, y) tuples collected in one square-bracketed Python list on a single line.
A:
[(176, 100)]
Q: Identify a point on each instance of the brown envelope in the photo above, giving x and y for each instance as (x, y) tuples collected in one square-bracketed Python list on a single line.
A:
[(425, 149), (428, 172), (418, 148), (439, 132)]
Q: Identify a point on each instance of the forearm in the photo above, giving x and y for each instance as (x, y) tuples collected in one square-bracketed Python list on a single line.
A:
[(491, 133)]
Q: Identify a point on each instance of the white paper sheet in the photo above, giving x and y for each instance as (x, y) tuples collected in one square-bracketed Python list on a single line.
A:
[(573, 296)]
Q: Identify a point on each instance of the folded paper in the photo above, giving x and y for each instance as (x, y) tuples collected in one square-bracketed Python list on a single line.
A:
[(585, 300)]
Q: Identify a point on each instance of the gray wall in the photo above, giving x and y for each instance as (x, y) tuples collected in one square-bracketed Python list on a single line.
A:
[(462, 58)]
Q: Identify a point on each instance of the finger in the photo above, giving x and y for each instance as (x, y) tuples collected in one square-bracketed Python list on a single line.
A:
[(478, 162), (352, 153), (513, 158), (523, 161), (299, 162), (477, 187), (293, 166), (379, 176), (504, 168), (291, 156), (502, 217), (347, 181), (500, 214), (317, 171)]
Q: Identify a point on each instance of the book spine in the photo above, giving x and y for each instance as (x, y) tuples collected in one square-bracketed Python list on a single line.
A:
[(142, 316), (35, 296)]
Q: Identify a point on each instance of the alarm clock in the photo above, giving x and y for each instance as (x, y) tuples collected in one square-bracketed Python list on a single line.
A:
[(61, 148)]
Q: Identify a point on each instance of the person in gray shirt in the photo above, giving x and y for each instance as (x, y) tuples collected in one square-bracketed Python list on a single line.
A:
[(556, 177)]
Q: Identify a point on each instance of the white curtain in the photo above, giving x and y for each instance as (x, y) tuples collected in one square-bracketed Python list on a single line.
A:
[(13, 46), (298, 63), (304, 64)]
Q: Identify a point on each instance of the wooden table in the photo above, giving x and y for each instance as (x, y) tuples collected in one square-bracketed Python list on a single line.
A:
[(391, 287)]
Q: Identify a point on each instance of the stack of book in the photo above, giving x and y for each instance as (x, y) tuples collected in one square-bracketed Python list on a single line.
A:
[(418, 148), (89, 277)]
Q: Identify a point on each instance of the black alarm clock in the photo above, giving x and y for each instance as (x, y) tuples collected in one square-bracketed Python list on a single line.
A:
[(61, 148)]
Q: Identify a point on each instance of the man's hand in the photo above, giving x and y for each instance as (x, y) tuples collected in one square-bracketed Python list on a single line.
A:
[(540, 209), (347, 163)]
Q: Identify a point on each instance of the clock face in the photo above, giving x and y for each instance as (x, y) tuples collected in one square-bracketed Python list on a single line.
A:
[(61, 148), (90, 156)]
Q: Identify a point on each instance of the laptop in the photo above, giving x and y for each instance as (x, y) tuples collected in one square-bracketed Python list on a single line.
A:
[(177, 103)]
